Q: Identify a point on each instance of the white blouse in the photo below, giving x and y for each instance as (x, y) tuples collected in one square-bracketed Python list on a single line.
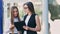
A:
[(26, 22), (16, 20)]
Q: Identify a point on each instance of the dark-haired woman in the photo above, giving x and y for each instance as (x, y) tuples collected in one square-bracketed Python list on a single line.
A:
[(31, 19)]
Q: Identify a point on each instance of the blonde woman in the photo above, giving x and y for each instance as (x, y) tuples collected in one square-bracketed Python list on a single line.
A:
[(14, 18)]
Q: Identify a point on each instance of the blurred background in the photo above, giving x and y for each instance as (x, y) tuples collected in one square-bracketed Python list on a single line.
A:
[(54, 16), (19, 3)]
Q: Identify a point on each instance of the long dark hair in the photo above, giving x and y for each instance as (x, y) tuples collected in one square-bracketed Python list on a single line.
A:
[(30, 6), (12, 16)]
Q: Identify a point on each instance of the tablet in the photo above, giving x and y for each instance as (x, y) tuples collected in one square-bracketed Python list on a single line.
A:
[(19, 25)]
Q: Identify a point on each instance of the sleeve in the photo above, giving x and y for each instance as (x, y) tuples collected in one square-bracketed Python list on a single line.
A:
[(6, 27)]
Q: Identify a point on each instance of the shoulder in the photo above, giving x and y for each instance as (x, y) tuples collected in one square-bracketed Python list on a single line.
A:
[(25, 16), (36, 16)]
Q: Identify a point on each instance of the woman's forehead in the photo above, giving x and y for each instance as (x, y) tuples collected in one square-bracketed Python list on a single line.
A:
[(25, 6)]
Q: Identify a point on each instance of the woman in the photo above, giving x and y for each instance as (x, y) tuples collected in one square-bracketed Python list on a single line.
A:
[(14, 19), (31, 20)]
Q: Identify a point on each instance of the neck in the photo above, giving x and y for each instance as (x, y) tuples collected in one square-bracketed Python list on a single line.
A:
[(30, 13)]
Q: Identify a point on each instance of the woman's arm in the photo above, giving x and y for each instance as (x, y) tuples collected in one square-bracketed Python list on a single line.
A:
[(12, 28), (38, 26)]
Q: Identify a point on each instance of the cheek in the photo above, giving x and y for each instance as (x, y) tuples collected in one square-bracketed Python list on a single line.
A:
[(27, 10), (15, 13)]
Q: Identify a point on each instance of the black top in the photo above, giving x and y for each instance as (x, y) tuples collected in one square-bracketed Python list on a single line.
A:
[(31, 23)]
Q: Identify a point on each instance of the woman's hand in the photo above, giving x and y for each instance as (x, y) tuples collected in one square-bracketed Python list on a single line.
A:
[(26, 27), (11, 27)]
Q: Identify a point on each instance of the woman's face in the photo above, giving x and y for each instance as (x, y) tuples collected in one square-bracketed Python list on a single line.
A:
[(26, 9), (15, 12)]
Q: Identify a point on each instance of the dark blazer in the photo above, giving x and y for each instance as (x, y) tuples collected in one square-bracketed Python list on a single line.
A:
[(31, 23)]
